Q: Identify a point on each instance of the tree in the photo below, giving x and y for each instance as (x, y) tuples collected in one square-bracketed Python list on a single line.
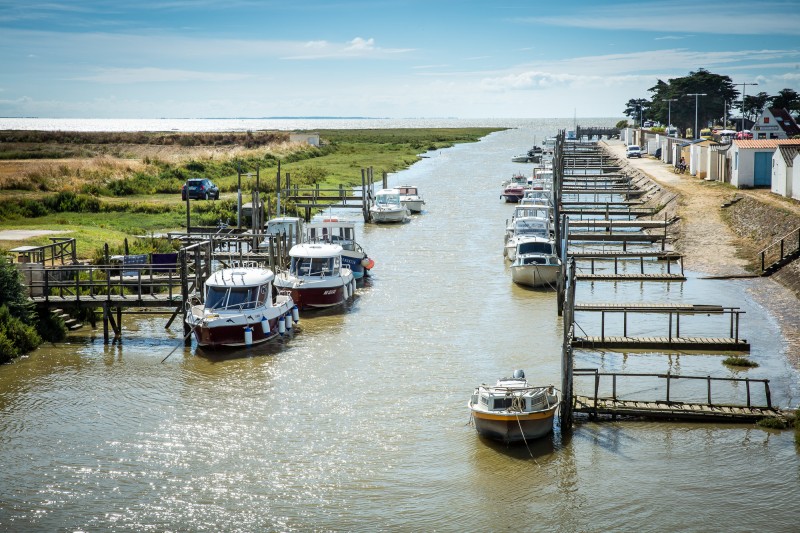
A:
[(787, 99), (636, 109), (719, 91), (754, 105)]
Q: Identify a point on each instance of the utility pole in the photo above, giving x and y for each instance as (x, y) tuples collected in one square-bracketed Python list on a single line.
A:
[(669, 109), (744, 86), (696, 103)]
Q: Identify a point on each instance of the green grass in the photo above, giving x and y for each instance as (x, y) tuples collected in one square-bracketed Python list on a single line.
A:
[(739, 361), (147, 200)]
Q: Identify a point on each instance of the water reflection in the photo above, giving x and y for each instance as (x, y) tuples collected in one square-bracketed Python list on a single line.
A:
[(358, 419)]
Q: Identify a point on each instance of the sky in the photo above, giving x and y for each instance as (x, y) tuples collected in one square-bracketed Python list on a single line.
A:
[(379, 58)]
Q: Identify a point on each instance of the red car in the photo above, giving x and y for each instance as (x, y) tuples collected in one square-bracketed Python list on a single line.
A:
[(744, 135)]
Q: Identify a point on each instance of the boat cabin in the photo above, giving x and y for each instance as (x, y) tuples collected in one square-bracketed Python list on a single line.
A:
[(292, 227), (407, 190), (310, 259), (388, 198), (531, 227), (239, 289), (332, 231)]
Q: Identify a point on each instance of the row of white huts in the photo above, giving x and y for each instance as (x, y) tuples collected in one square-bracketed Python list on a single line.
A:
[(772, 163)]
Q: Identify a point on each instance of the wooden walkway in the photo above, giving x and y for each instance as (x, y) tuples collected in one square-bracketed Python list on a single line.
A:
[(636, 276), (671, 410), (603, 254), (665, 343)]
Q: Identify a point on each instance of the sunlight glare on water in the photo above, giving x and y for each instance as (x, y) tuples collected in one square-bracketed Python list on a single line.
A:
[(358, 421)]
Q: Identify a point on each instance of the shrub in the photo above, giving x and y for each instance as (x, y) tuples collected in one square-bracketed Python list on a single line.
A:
[(12, 293), (7, 349), (23, 336)]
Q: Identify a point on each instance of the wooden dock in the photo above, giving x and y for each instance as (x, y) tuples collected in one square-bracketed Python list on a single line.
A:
[(662, 343), (635, 276), (671, 411), (613, 396)]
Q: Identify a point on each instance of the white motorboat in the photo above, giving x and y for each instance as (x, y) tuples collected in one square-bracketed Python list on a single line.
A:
[(524, 227), (290, 227), (536, 263), (387, 207), (410, 197), (513, 410), (317, 278), (332, 230), (241, 307)]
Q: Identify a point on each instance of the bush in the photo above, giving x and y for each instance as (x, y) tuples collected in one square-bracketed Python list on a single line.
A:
[(772, 422), (7, 349), (739, 361), (22, 336), (12, 293)]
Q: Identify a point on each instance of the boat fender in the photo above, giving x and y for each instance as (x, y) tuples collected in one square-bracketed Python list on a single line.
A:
[(265, 325), (281, 327), (248, 336), (295, 314), (367, 263), (345, 289), (287, 319)]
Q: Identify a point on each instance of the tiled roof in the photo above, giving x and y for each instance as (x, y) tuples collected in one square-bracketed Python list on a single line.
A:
[(766, 143), (785, 121), (788, 153)]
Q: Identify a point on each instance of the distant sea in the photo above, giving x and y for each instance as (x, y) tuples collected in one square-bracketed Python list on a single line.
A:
[(290, 123)]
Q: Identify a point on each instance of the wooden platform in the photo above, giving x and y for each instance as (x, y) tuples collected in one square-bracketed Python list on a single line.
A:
[(630, 212), (615, 237), (666, 255), (685, 309), (667, 343), (132, 300), (671, 410), (631, 277)]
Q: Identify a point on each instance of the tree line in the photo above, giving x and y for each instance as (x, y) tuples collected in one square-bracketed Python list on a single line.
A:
[(711, 96)]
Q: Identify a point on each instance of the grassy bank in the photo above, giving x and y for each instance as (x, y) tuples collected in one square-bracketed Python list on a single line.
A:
[(103, 187)]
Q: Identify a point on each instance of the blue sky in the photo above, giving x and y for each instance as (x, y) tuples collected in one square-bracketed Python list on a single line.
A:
[(378, 58)]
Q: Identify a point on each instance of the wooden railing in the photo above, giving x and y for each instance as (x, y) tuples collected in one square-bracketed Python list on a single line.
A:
[(783, 248), (670, 379)]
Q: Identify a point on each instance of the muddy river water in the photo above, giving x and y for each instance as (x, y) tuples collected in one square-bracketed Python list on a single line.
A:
[(359, 421)]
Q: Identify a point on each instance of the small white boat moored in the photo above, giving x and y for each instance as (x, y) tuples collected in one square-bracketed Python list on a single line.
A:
[(410, 197), (536, 263), (388, 208), (513, 410)]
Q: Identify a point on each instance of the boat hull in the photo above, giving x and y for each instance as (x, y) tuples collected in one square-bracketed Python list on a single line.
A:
[(535, 275), (227, 329), (353, 260), (512, 427), (414, 206), (389, 216), (318, 295)]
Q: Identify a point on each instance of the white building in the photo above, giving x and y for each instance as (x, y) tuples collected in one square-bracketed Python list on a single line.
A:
[(782, 168), (775, 123), (752, 161)]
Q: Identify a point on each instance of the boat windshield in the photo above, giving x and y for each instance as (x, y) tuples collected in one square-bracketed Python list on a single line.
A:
[(388, 200), (314, 266), (535, 248), (235, 297)]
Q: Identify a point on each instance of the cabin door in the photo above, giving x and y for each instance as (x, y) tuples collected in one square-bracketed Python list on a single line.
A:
[(762, 169)]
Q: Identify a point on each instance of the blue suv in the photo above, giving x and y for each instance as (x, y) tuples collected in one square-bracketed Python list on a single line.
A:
[(200, 189)]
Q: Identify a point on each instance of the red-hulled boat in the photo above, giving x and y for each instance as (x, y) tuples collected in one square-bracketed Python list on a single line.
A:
[(241, 306), (317, 278)]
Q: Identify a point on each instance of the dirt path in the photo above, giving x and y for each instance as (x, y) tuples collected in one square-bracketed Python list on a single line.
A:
[(706, 241)]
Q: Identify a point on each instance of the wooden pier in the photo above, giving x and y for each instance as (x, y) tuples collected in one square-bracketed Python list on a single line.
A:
[(700, 404)]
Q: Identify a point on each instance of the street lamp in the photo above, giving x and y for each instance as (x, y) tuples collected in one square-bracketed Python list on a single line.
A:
[(696, 98), (669, 109), (744, 86)]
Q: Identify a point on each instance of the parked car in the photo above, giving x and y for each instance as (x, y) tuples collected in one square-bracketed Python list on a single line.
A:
[(744, 134), (200, 189), (633, 151)]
